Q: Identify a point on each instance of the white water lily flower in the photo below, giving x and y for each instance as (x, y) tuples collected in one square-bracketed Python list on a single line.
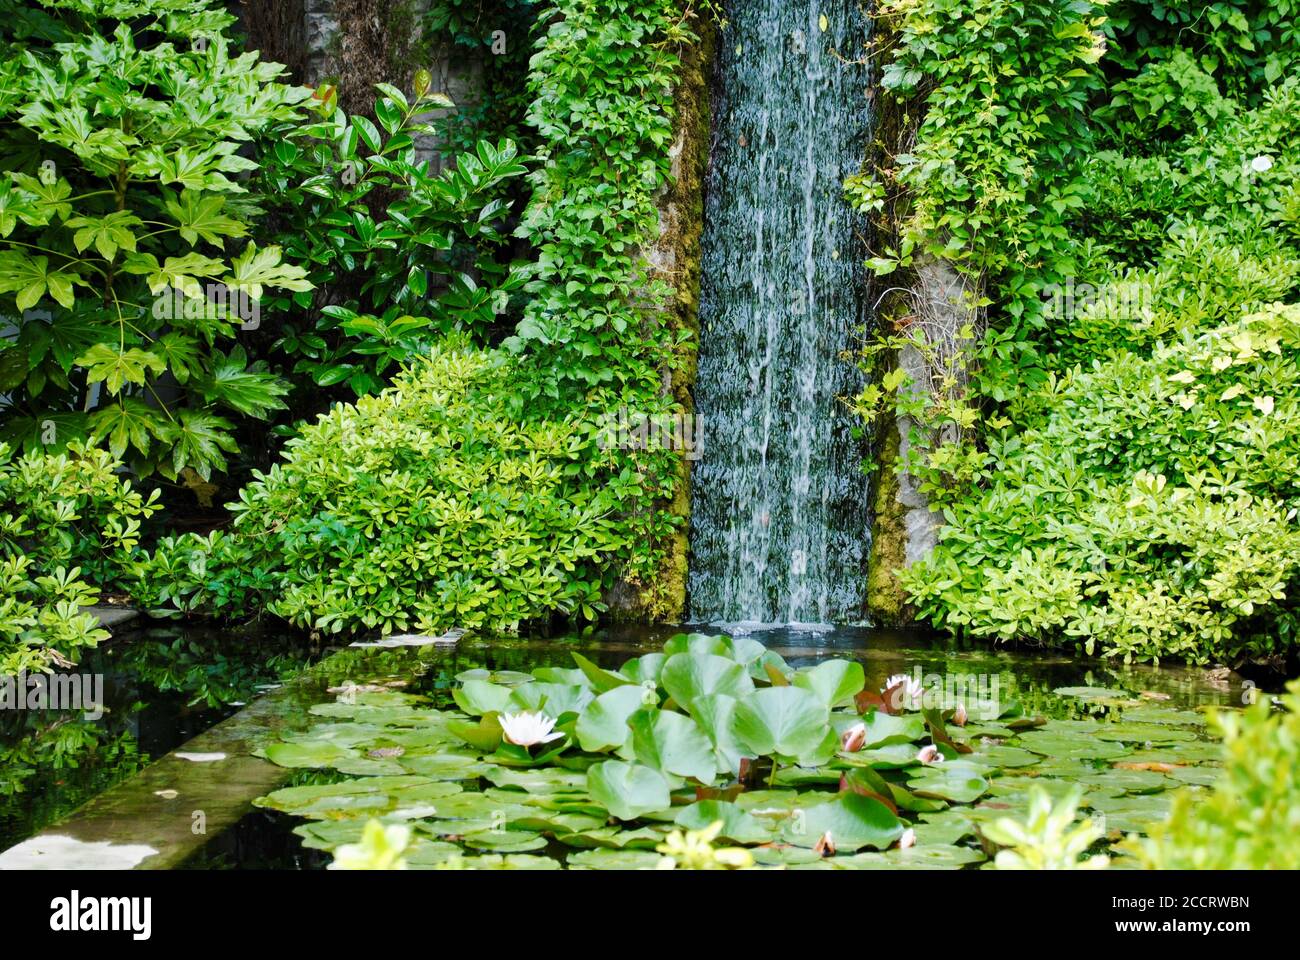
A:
[(929, 754), (526, 729), (854, 738), (1262, 163), (908, 839), (911, 691)]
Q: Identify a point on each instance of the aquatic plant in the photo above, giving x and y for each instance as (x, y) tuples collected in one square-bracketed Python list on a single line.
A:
[(715, 740)]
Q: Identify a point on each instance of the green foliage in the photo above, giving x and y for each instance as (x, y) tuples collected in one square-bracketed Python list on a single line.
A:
[(1246, 45), (429, 505), (1048, 838), (1006, 86), (63, 518), (1108, 452), (1146, 508), (396, 254), (123, 231), (1249, 820), (496, 33), (602, 82)]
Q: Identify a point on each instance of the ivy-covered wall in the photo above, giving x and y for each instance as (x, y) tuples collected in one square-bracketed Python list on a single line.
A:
[(674, 258)]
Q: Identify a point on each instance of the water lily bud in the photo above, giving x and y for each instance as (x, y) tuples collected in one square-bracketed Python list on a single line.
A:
[(929, 754), (908, 839), (959, 715), (854, 738), (825, 846)]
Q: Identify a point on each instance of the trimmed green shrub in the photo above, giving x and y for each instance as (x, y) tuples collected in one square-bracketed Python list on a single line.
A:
[(427, 506), (1147, 510)]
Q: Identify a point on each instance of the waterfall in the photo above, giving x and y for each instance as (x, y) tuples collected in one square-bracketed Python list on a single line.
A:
[(780, 528)]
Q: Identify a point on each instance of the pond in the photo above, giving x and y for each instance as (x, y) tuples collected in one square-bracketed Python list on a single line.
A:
[(161, 685), (1126, 735)]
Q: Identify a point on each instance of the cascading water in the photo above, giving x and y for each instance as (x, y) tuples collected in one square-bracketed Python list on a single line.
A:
[(780, 529)]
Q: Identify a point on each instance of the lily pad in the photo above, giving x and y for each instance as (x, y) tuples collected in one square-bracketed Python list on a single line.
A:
[(788, 721), (852, 821), (1051, 744), (313, 755), (689, 676), (957, 780), (834, 682), (610, 859), (627, 790), (602, 725), (737, 825)]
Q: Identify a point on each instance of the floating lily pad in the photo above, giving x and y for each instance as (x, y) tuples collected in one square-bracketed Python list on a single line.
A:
[(1092, 693), (1128, 781), (956, 780), (627, 790), (504, 841), (508, 678), (737, 825), (1051, 744), (447, 766), (614, 838), (1143, 733), (1004, 756), (853, 822), (513, 861), (540, 780), (607, 859), (313, 755)]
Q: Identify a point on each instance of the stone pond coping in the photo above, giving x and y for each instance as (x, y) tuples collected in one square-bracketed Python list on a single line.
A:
[(151, 820)]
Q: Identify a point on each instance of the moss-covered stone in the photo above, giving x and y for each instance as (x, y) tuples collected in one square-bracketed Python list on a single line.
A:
[(886, 598), (675, 259)]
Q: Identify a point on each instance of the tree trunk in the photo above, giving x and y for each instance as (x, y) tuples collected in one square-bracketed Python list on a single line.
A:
[(278, 29)]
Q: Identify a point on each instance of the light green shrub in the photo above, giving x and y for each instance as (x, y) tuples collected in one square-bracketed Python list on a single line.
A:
[(63, 518), (430, 505), (1147, 510)]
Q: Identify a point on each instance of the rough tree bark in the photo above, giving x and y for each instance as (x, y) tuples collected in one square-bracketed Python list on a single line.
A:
[(278, 28)]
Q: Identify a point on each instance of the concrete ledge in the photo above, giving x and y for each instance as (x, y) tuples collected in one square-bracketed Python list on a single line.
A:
[(167, 812), (113, 616)]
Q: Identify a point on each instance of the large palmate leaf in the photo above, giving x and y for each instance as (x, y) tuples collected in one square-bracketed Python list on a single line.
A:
[(233, 384), (255, 268), (117, 366), (200, 215), (30, 278)]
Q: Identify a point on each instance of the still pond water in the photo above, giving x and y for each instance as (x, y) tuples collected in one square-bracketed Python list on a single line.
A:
[(163, 686)]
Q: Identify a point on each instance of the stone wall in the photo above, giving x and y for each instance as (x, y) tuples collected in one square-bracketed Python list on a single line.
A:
[(675, 259)]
